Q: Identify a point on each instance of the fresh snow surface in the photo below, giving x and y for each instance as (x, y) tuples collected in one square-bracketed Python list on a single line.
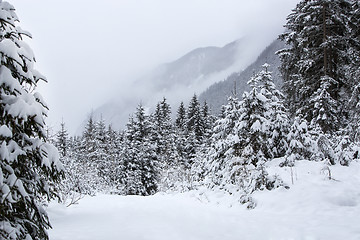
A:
[(314, 208)]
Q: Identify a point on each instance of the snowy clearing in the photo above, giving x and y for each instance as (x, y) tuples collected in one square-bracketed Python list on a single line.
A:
[(314, 208)]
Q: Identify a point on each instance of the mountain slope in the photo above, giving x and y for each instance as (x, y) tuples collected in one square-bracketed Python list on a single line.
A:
[(180, 79), (198, 63), (217, 94)]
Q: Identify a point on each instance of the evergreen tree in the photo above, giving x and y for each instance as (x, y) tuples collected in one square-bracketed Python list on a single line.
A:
[(130, 164), (102, 161), (180, 121), (301, 142), (88, 143), (140, 163), (195, 131), (113, 149), (317, 60), (195, 120), (279, 120), (181, 132), (208, 121), (324, 107), (164, 137), (353, 130), (353, 49), (254, 123), (244, 140), (225, 145), (163, 128), (29, 165), (86, 154), (254, 145), (62, 141)]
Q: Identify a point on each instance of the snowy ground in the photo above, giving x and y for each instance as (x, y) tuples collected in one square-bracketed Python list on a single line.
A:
[(314, 208)]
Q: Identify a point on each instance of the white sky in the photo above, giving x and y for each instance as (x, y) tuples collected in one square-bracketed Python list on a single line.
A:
[(89, 50)]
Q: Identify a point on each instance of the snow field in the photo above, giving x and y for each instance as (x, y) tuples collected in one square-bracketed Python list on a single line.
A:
[(314, 208)]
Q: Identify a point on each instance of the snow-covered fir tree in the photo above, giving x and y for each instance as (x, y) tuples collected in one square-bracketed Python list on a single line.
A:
[(62, 140), (258, 110), (102, 161), (243, 140), (165, 139), (29, 165), (300, 141), (279, 120), (140, 171), (114, 146), (86, 155), (88, 141), (180, 132), (317, 61), (208, 121), (195, 119), (324, 106), (164, 132), (225, 145), (353, 130), (195, 131)]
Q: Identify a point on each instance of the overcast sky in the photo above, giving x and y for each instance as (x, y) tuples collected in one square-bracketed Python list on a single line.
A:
[(89, 50)]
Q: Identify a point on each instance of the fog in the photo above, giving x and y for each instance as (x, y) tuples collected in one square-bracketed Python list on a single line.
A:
[(92, 51)]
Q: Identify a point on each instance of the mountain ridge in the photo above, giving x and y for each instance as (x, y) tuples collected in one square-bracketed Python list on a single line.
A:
[(178, 80), (217, 94)]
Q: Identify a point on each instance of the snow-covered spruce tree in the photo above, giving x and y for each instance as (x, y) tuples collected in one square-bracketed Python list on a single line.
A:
[(88, 142), (242, 142), (354, 46), (28, 164), (195, 120), (301, 143), (255, 142), (324, 107), (180, 132), (86, 154), (180, 121), (225, 145), (208, 121), (194, 131), (346, 150), (318, 37), (101, 161), (278, 120), (140, 163), (353, 130), (163, 135), (130, 167), (114, 147), (62, 140), (199, 167)]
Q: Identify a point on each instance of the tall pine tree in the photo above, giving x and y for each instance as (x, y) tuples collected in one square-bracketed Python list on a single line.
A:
[(315, 64), (28, 164)]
